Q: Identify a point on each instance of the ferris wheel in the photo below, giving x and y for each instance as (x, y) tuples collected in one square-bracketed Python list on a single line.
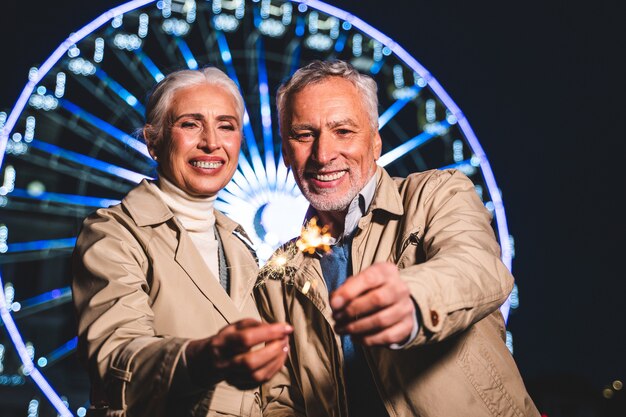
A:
[(68, 147)]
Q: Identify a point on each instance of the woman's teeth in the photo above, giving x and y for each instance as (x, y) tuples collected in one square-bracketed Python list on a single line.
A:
[(207, 164)]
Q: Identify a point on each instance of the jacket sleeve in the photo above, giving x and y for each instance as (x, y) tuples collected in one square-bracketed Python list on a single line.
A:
[(462, 279), (280, 396), (135, 368)]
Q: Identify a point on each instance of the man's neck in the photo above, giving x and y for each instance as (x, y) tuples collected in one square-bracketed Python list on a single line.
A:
[(334, 220)]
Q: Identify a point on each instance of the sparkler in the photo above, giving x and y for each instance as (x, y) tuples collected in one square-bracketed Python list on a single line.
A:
[(281, 266)]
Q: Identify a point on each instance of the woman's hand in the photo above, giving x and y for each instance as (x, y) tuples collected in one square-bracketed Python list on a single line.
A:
[(237, 355)]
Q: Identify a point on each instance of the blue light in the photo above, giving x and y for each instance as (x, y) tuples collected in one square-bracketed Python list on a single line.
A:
[(88, 161), (411, 144), (300, 26), (39, 245), (346, 25), (341, 42), (150, 65), (62, 351), (187, 55), (247, 128), (266, 115), (107, 128), (78, 200), (57, 295), (396, 107), (123, 93)]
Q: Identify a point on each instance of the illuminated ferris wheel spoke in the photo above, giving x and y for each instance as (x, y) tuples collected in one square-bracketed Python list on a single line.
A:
[(42, 245), (266, 114), (42, 302), (190, 60), (149, 65), (138, 162), (71, 199), (121, 92), (84, 160), (107, 128), (56, 355), (397, 106), (436, 130), (253, 149)]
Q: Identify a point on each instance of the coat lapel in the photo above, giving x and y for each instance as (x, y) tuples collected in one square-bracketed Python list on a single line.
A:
[(190, 260), (147, 209)]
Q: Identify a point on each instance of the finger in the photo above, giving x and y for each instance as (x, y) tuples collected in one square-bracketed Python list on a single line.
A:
[(389, 293), (245, 339), (369, 278), (378, 321), (258, 359), (259, 366), (398, 333), (246, 323)]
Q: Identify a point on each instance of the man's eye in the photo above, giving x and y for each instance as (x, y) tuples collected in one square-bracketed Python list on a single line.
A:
[(343, 132), (228, 127), (304, 136)]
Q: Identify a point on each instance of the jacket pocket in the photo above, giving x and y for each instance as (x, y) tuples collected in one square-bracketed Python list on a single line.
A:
[(407, 248), (475, 359)]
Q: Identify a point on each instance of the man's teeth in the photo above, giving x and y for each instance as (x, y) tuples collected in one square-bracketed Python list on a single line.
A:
[(330, 177), (207, 164)]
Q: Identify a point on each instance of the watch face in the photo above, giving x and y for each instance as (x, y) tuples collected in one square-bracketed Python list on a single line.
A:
[(70, 145)]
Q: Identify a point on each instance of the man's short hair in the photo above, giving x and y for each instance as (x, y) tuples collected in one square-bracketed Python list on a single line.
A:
[(318, 71)]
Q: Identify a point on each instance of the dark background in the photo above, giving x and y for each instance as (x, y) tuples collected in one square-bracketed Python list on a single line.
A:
[(542, 84)]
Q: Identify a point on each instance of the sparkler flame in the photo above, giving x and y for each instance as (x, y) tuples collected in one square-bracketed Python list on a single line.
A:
[(314, 238)]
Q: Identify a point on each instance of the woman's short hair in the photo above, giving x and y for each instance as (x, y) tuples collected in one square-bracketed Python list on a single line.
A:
[(160, 98), (318, 71)]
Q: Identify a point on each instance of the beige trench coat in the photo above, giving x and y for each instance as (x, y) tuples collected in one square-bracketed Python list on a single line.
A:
[(434, 227), (141, 292)]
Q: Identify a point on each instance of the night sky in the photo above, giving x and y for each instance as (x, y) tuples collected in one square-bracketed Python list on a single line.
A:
[(541, 83)]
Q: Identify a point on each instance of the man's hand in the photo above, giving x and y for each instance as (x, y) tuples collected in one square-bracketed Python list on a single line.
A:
[(374, 307), (236, 354)]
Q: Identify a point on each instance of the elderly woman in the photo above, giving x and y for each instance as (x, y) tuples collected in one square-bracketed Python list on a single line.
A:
[(162, 281)]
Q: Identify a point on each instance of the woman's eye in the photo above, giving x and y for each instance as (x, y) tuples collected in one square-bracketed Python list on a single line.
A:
[(227, 127), (188, 125)]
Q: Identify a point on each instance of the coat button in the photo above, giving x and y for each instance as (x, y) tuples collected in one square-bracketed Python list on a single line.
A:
[(434, 318)]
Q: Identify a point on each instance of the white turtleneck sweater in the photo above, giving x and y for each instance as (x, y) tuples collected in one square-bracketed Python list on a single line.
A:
[(196, 216)]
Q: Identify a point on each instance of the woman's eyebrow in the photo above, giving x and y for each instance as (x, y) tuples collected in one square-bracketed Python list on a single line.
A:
[(197, 116)]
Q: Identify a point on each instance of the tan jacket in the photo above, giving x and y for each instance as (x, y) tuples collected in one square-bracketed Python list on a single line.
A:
[(142, 291), (436, 229)]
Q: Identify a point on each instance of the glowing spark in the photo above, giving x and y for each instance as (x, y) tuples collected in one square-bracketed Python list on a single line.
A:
[(313, 238)]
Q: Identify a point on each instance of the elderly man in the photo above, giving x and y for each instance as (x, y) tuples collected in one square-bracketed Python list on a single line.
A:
[(401, 317)]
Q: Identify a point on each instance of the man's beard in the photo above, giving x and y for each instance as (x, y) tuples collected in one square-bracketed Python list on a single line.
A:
[(324, 200)]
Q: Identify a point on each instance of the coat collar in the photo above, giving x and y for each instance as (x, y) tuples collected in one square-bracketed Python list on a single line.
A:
[(387, 197), (147, 209)]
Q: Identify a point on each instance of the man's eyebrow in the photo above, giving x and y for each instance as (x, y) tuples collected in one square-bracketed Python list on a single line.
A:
[(335, 123), (301, 126)]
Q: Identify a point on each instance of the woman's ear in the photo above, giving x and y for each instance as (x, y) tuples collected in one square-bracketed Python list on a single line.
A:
[(150, 142)]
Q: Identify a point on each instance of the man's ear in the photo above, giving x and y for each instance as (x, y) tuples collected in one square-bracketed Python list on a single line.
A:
[(377, 145)]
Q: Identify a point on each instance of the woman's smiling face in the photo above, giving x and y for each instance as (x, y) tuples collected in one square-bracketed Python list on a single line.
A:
[(201, 147)]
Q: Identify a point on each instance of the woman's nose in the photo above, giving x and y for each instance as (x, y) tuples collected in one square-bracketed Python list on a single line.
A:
[(209, 140)]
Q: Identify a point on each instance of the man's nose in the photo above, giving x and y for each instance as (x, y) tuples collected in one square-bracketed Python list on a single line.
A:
[(325, 148)]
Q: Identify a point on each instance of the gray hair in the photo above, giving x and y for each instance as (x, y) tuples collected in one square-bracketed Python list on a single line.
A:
[(318, 71), (160, 98)]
